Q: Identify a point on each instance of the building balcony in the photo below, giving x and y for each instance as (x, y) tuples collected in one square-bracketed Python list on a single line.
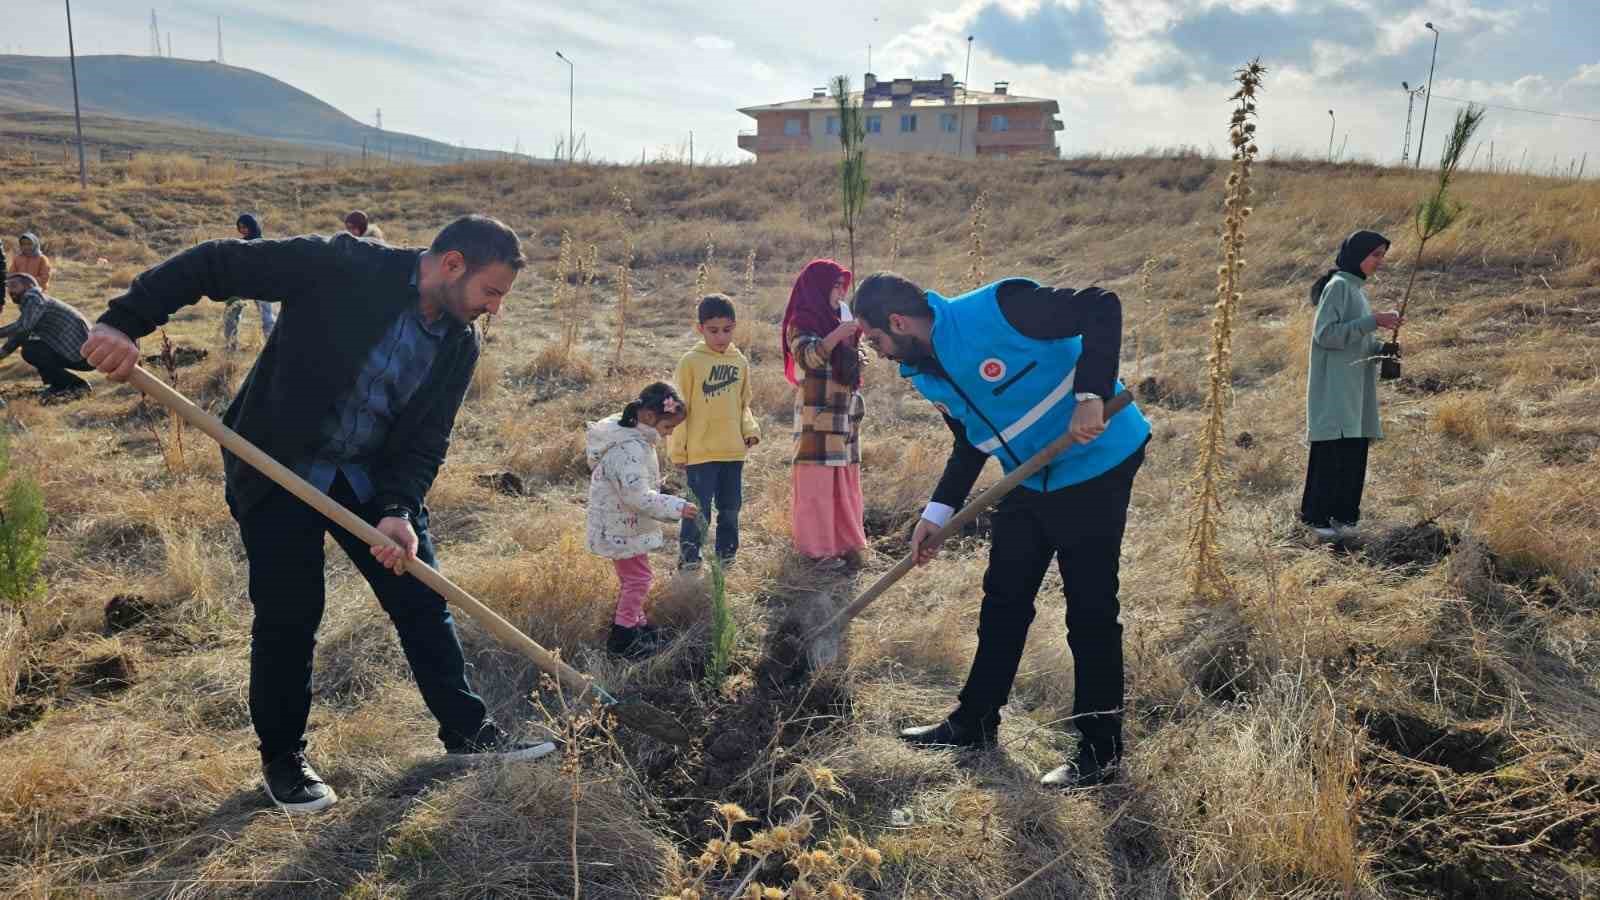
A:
[(772, 143), (1017, 139)]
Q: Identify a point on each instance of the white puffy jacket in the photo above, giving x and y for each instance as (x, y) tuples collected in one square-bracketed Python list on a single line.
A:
[(623, 493)]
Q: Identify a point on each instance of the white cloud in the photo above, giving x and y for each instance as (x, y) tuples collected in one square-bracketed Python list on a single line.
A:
[(712, 42)]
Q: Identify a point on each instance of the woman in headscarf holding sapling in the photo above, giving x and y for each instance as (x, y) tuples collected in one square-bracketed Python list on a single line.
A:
[(822, 357), (1342, 388)]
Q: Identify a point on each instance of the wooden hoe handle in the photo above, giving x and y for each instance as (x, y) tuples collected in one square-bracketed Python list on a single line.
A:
[(508, 633), (967, 513)]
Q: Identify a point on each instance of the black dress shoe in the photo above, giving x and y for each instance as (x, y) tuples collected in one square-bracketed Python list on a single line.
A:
[(959, 731)]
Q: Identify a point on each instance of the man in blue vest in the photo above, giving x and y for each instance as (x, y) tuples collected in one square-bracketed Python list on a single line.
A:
[(1012, 366)]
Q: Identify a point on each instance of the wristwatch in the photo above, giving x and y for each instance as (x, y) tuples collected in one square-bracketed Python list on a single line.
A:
[(396, 512), (1087, 395)]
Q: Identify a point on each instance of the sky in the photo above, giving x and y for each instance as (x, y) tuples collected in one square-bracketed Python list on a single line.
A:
[(1130, 75)]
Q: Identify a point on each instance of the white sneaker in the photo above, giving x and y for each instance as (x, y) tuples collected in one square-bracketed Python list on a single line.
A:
[(1344, 531), (1324, 534)]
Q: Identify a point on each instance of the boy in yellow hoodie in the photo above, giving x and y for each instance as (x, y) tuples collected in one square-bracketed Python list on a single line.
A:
[(714, 381)]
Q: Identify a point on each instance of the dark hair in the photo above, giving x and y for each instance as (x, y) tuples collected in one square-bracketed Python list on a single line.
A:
[(655, 398), (883, 294), (481, 241), (358, 218), (715, 306)]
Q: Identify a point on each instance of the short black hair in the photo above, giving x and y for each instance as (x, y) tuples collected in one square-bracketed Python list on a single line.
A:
[(482, 241), (883, 294), (715, 306)]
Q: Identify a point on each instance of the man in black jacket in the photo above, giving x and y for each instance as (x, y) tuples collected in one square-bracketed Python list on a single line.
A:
[(356, 391)]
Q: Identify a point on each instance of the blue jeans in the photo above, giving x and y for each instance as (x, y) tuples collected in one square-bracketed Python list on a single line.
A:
[(283, 540), (719, 485)]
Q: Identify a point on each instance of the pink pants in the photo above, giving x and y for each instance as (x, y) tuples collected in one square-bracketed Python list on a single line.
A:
[(634, 573)]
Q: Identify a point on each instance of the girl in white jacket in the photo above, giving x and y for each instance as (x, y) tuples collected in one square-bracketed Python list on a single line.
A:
[(624, 499)]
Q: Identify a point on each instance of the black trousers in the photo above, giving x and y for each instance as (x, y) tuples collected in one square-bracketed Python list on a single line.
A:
[(283, 539), (1335, 477), (1080, 527), (53, 366)]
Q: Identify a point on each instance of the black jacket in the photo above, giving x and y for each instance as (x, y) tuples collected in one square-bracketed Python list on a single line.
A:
[(339, 295), (1044, 314)]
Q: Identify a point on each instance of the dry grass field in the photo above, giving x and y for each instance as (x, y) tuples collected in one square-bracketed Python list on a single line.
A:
[(1416, 715)]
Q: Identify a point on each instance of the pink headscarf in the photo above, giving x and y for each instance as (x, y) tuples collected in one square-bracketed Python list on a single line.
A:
[(809, 312)]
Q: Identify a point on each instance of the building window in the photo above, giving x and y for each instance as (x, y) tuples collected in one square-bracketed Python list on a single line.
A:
[(908, 122), (948, 122), (791, 127), (999, 123), (833, 124), (874, 124)]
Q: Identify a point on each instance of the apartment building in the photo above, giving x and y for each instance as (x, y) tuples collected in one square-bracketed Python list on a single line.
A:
[(907, 115)]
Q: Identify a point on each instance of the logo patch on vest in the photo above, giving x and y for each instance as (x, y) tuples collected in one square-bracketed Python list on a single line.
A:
[(992, 369)]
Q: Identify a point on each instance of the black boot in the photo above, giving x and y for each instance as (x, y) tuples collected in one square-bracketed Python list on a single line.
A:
[(1089, 769), (630, 643), (961, 729)]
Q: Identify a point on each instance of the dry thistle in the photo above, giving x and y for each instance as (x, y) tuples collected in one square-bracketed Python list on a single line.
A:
[(702, 274), (561, 301), (1207, 579), (977, 263), (897, 218), (750, 273), (624, 216)]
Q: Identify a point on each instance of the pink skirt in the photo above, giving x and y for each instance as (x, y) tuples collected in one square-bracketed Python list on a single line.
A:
[(828, 509)]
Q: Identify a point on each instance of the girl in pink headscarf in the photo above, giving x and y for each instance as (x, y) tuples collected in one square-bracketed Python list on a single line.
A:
[(822, 357)]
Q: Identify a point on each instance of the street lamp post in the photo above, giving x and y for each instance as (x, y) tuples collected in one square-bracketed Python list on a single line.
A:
[(1332, 123), (77, 116), (1428, 97), (572, 79)]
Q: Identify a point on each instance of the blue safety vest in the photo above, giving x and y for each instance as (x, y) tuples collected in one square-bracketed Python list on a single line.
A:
[(1015, 394)]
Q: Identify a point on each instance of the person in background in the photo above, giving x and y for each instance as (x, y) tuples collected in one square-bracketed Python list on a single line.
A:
[(822, 357), (714, 381), (1342, 387), (30, 260), (249, 229), (374, 233), (355, 222), (49, 333), (624, 498)]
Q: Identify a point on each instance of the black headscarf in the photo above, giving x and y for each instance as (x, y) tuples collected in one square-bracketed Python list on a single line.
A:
[(1352, 253), (251, 226)]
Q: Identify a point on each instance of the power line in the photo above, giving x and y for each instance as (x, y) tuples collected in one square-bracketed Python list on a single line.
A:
[(1537, 112)]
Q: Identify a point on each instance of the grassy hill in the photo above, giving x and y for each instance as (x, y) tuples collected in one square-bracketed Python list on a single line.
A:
[(207, 96), (1411, 715)]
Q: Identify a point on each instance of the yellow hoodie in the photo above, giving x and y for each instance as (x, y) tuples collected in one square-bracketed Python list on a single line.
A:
[(716, 388)]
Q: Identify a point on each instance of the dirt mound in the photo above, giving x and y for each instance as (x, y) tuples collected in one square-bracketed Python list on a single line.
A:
[(1461, 750), (182, 357), (1417, 545), (508, 483), (1161, 390), (125, 611)]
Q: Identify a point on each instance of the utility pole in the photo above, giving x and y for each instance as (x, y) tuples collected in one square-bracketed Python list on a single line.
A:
[(155, 35), (1411, 99), (1429, 97), (572, 81), (1332, 123), (961, 138), (219, 41), (169, 44), (77, 115)]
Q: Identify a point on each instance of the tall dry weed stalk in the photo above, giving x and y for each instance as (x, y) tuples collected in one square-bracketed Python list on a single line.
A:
[(171, 447), (702, 273), (566, 263), (1139, 329), (1207, 579), (750, 274), (897, 222), (624, 215), (977, 264)]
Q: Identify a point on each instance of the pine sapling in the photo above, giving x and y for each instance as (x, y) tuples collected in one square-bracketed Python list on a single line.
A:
[(1436, 214), (1207, 579), (853, 164), (22, 536)]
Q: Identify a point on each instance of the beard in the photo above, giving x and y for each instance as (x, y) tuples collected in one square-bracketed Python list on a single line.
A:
[(907, 349)]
